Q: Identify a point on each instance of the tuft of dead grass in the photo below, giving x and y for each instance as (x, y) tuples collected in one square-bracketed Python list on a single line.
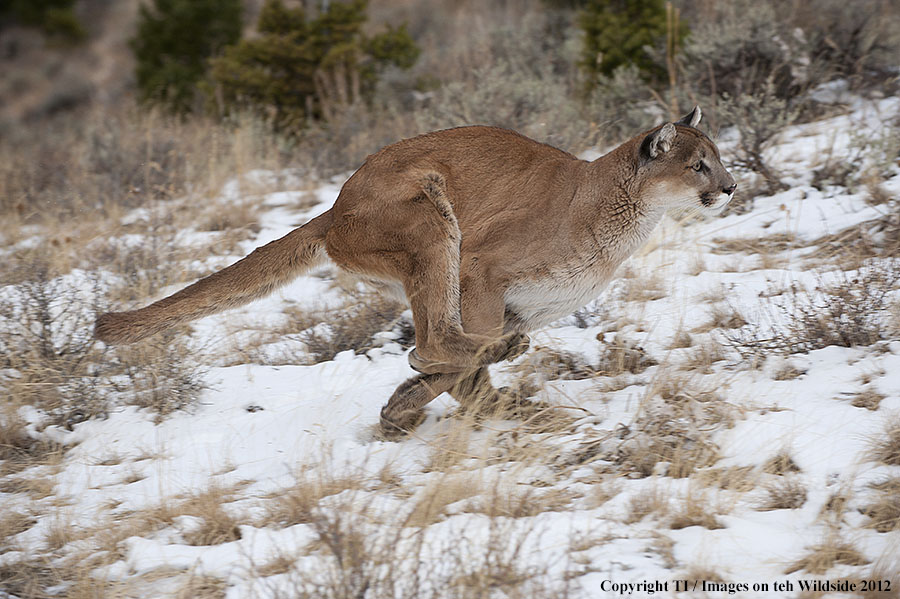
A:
[(787, 372), (681, 339), (451, 448), (868, 398), (641, 505), (672, 434), (280, 564), (433, 499), (13, 523), (826, 555), (786, 494), (836, 505), (644, 289), (695, 509), (886, 448), (733, 478), (200, 586), (295, 504), (28, 577), (623, 355), (209, 524), (853, 247), (35, 487), (759, 246), (884, 509), (721, 317), (780, 464), (387, 560), (547, 364), (520, 501), (703, 356)]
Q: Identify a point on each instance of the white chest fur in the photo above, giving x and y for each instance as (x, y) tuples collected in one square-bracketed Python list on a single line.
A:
[(541, 301)]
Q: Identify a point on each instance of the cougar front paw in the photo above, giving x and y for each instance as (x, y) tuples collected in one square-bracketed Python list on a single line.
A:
[(394, 426)]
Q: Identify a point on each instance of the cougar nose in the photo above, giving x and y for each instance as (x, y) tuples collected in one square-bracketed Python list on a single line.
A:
[(730, 190)]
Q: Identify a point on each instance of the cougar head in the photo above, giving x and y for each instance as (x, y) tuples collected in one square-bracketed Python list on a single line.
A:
[(682, 168)]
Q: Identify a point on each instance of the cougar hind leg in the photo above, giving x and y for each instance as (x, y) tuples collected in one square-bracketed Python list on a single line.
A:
[(433, 290)]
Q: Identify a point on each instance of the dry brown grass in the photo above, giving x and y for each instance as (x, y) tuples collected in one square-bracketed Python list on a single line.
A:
[(451, 448), (641, 505), (431, 501), (210, 524), (886, 447), (894, 319), (852, 247), (869, 399), (623, 355), (732, 478), (787, 372), (280, 564), (28, 577), (721, 317), (826, 555), (548, 364), (780, 464), (644, 289), (35, 487), (357, 561), (672, 433), (759, 246), (506, 500), (884, 508), (52, 363), (713, 295), (295, 504), (681, 340), (695, 509), (19, 451), (114, 160), (12, 523), (786, 494), (201, 587), (834, 509), (701, 358), (601, 492)]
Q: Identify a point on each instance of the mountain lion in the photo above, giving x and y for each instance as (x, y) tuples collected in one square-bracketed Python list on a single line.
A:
[(489, 234)]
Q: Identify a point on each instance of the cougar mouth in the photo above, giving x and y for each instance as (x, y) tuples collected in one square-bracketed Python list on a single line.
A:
[(715, 202), (707, 199)]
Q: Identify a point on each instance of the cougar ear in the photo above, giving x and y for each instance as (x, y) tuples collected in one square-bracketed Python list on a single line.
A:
[(658, 142), (692, 118)]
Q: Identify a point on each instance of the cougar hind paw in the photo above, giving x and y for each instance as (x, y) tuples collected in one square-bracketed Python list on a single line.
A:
[(508, 347)]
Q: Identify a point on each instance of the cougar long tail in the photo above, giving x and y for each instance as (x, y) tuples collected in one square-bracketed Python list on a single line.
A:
[(257, 275)]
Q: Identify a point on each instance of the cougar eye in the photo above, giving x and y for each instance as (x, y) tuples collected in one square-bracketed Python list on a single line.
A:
[(697, 166)]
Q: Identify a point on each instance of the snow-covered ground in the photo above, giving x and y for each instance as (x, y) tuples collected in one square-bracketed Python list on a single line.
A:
[(669, 472)]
